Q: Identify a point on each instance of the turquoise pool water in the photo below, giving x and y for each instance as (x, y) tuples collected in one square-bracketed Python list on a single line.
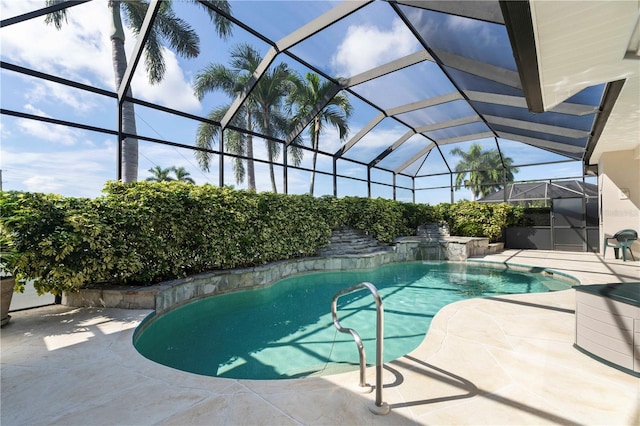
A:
[(286, 330)]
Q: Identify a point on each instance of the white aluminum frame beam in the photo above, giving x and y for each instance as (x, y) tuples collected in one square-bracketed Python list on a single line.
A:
[(448, 124), (542, 143), (340, 11), (520, 102), (393, 147), (347, 146), (415, 158), (537, 127), (426, 103), (465, 138), (320, 23), (480, 69), (488, 11), (312, 114), (388, 68), (147, 23)]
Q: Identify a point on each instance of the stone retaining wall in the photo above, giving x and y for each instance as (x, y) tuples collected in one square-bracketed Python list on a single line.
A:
[(449, 248), (168, 295)]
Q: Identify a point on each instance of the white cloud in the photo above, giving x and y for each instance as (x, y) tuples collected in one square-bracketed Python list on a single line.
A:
[(381, 139), (4, 132), (35, 111), (330, 139), (81, 51), (56, 94), (49, 132), (44, 183), (174, 91), (472, 27), (366, 46), (476, 29), (460, 23), (81, 172)]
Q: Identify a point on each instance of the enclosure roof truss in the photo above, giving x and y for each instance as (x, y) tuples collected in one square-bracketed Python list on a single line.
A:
[(486, 96), (563, 138)]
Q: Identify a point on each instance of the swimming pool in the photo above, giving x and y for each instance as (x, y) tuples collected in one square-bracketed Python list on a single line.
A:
[(286, 329)]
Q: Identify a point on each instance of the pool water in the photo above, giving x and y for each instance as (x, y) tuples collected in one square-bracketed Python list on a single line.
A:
[(286, 330)]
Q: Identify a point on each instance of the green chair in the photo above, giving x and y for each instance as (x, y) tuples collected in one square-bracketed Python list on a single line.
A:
[(621, 240)]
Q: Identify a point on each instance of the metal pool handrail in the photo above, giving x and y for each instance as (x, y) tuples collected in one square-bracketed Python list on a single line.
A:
[(380, 407)]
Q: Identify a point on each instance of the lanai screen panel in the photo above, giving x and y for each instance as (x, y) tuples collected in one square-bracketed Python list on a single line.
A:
[(367, 38), (268, 17), (403, 153), (424, 77), (478, 59), (440, 114)]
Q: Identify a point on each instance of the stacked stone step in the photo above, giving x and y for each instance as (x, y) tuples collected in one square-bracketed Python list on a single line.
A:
[(348, 241), (433, 231)]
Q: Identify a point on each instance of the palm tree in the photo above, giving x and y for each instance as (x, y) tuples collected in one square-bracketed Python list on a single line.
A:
[(232, 82), (235, 142), (485, 170), (308, 94), (262, 110), (174, 31), (160, 174), (182, 175), (268, 95)]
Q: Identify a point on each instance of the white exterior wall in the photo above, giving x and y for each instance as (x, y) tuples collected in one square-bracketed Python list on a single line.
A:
[(619, 189)]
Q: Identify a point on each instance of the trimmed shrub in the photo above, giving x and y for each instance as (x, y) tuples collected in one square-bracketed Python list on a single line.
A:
[(473, 219), (418, 214), (380, 218), (145, 232), (63, 242)]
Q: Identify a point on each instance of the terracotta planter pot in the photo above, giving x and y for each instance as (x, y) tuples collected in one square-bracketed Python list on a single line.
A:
[(6, 285)]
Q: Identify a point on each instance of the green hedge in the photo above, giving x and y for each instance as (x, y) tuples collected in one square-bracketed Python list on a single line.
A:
[(472, 219), (148, 232)]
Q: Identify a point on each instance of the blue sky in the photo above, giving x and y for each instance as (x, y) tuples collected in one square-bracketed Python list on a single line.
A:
[(47, 158)]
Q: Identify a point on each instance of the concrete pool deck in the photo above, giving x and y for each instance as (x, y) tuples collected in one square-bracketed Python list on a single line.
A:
[(504, 360)]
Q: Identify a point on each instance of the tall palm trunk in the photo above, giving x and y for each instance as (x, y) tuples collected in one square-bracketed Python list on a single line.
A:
[(272, 174), (251, 173), (129, 145), (316, 136)]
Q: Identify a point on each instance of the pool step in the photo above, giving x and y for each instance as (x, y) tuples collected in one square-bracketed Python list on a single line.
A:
[(348, 241)]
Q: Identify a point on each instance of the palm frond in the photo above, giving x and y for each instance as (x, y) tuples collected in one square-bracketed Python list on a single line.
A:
[(153, 59), (182, 175), (244, 57), (206, 138), (223, 25), (296, 154), (134, 12), (215, 77), (178, 34), (56, 18), (338, 119), (159, 174)]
